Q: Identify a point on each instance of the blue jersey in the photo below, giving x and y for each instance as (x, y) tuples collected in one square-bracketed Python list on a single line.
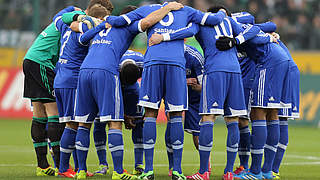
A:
[(264, 52), (108, 46), (194, 69), (284, 47), (225, 61), (168, 52), (243, 17), (72, 53), (135, 56)]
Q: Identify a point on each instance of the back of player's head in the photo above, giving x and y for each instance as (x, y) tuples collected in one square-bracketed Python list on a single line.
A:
[(98, 11), (127, 9), (129, 72), (105, 3), (216, 8)]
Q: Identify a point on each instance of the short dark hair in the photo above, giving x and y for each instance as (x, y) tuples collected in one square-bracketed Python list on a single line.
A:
[(129, 73), (105, 3), (216, 8), (127, 9)]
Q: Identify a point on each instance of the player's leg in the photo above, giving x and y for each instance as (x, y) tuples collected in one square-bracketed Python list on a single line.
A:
[(55, 129), (273, 135), (151, 93), (35, 90), (176, 100), (169, 145), (211, 105), (277, 93), (282, 146), (85, 112), (137, 139), (149, 139), (258, 114), (107, 93), (39, 136), (65, 102), (234, 106), (245, 136), (244, 145), (293, 112), (100, 140)]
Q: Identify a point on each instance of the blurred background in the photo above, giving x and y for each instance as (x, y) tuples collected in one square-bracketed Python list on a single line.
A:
[(298, 24)]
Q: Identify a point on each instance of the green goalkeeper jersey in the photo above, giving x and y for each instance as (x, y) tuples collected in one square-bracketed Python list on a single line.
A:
[(45, 49)]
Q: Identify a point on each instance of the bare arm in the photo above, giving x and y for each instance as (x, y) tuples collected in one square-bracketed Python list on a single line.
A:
[(158, 15)]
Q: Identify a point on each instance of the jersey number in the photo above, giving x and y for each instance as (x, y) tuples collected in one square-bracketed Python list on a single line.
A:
[(223, 28), (170, 20), (66, 35), (104, 32)]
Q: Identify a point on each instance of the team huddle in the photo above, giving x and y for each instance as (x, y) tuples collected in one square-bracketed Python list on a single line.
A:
[(79, 72)]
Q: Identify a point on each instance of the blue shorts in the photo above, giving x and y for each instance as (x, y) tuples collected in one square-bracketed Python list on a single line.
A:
[(222, 94), (130, 101), (99, 91), (293, 95), (268, 89), (167, 82), (192, 120), (65, 98)]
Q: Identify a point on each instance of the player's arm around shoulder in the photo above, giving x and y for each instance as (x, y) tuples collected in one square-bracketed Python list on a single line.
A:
[(159, 14)]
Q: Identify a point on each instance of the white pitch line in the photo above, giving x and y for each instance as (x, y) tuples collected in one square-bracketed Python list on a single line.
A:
[(165, 165)]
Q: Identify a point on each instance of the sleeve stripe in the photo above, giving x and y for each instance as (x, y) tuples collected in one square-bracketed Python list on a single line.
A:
[(81, 42), (240, 38), (204, 19), (55, 22), (126, 18), (139, 26), (195, 54), (80, 27)]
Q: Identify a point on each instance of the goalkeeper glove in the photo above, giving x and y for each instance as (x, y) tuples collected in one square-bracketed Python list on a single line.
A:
[(225, 43), (91, 22)]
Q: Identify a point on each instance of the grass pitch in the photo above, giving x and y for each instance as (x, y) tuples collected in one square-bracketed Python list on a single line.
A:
[(18, 161)]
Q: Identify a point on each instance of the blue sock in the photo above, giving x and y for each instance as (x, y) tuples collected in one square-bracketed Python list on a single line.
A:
[(75, 159), (244, 146), (176, 137), (82, 146), (258, 140), (282, 146), (232, 145), (67, 146), (270, 148), (116, 148), (137, 138), (205, 144), (149, 139), (100, 139), (169, 146)]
